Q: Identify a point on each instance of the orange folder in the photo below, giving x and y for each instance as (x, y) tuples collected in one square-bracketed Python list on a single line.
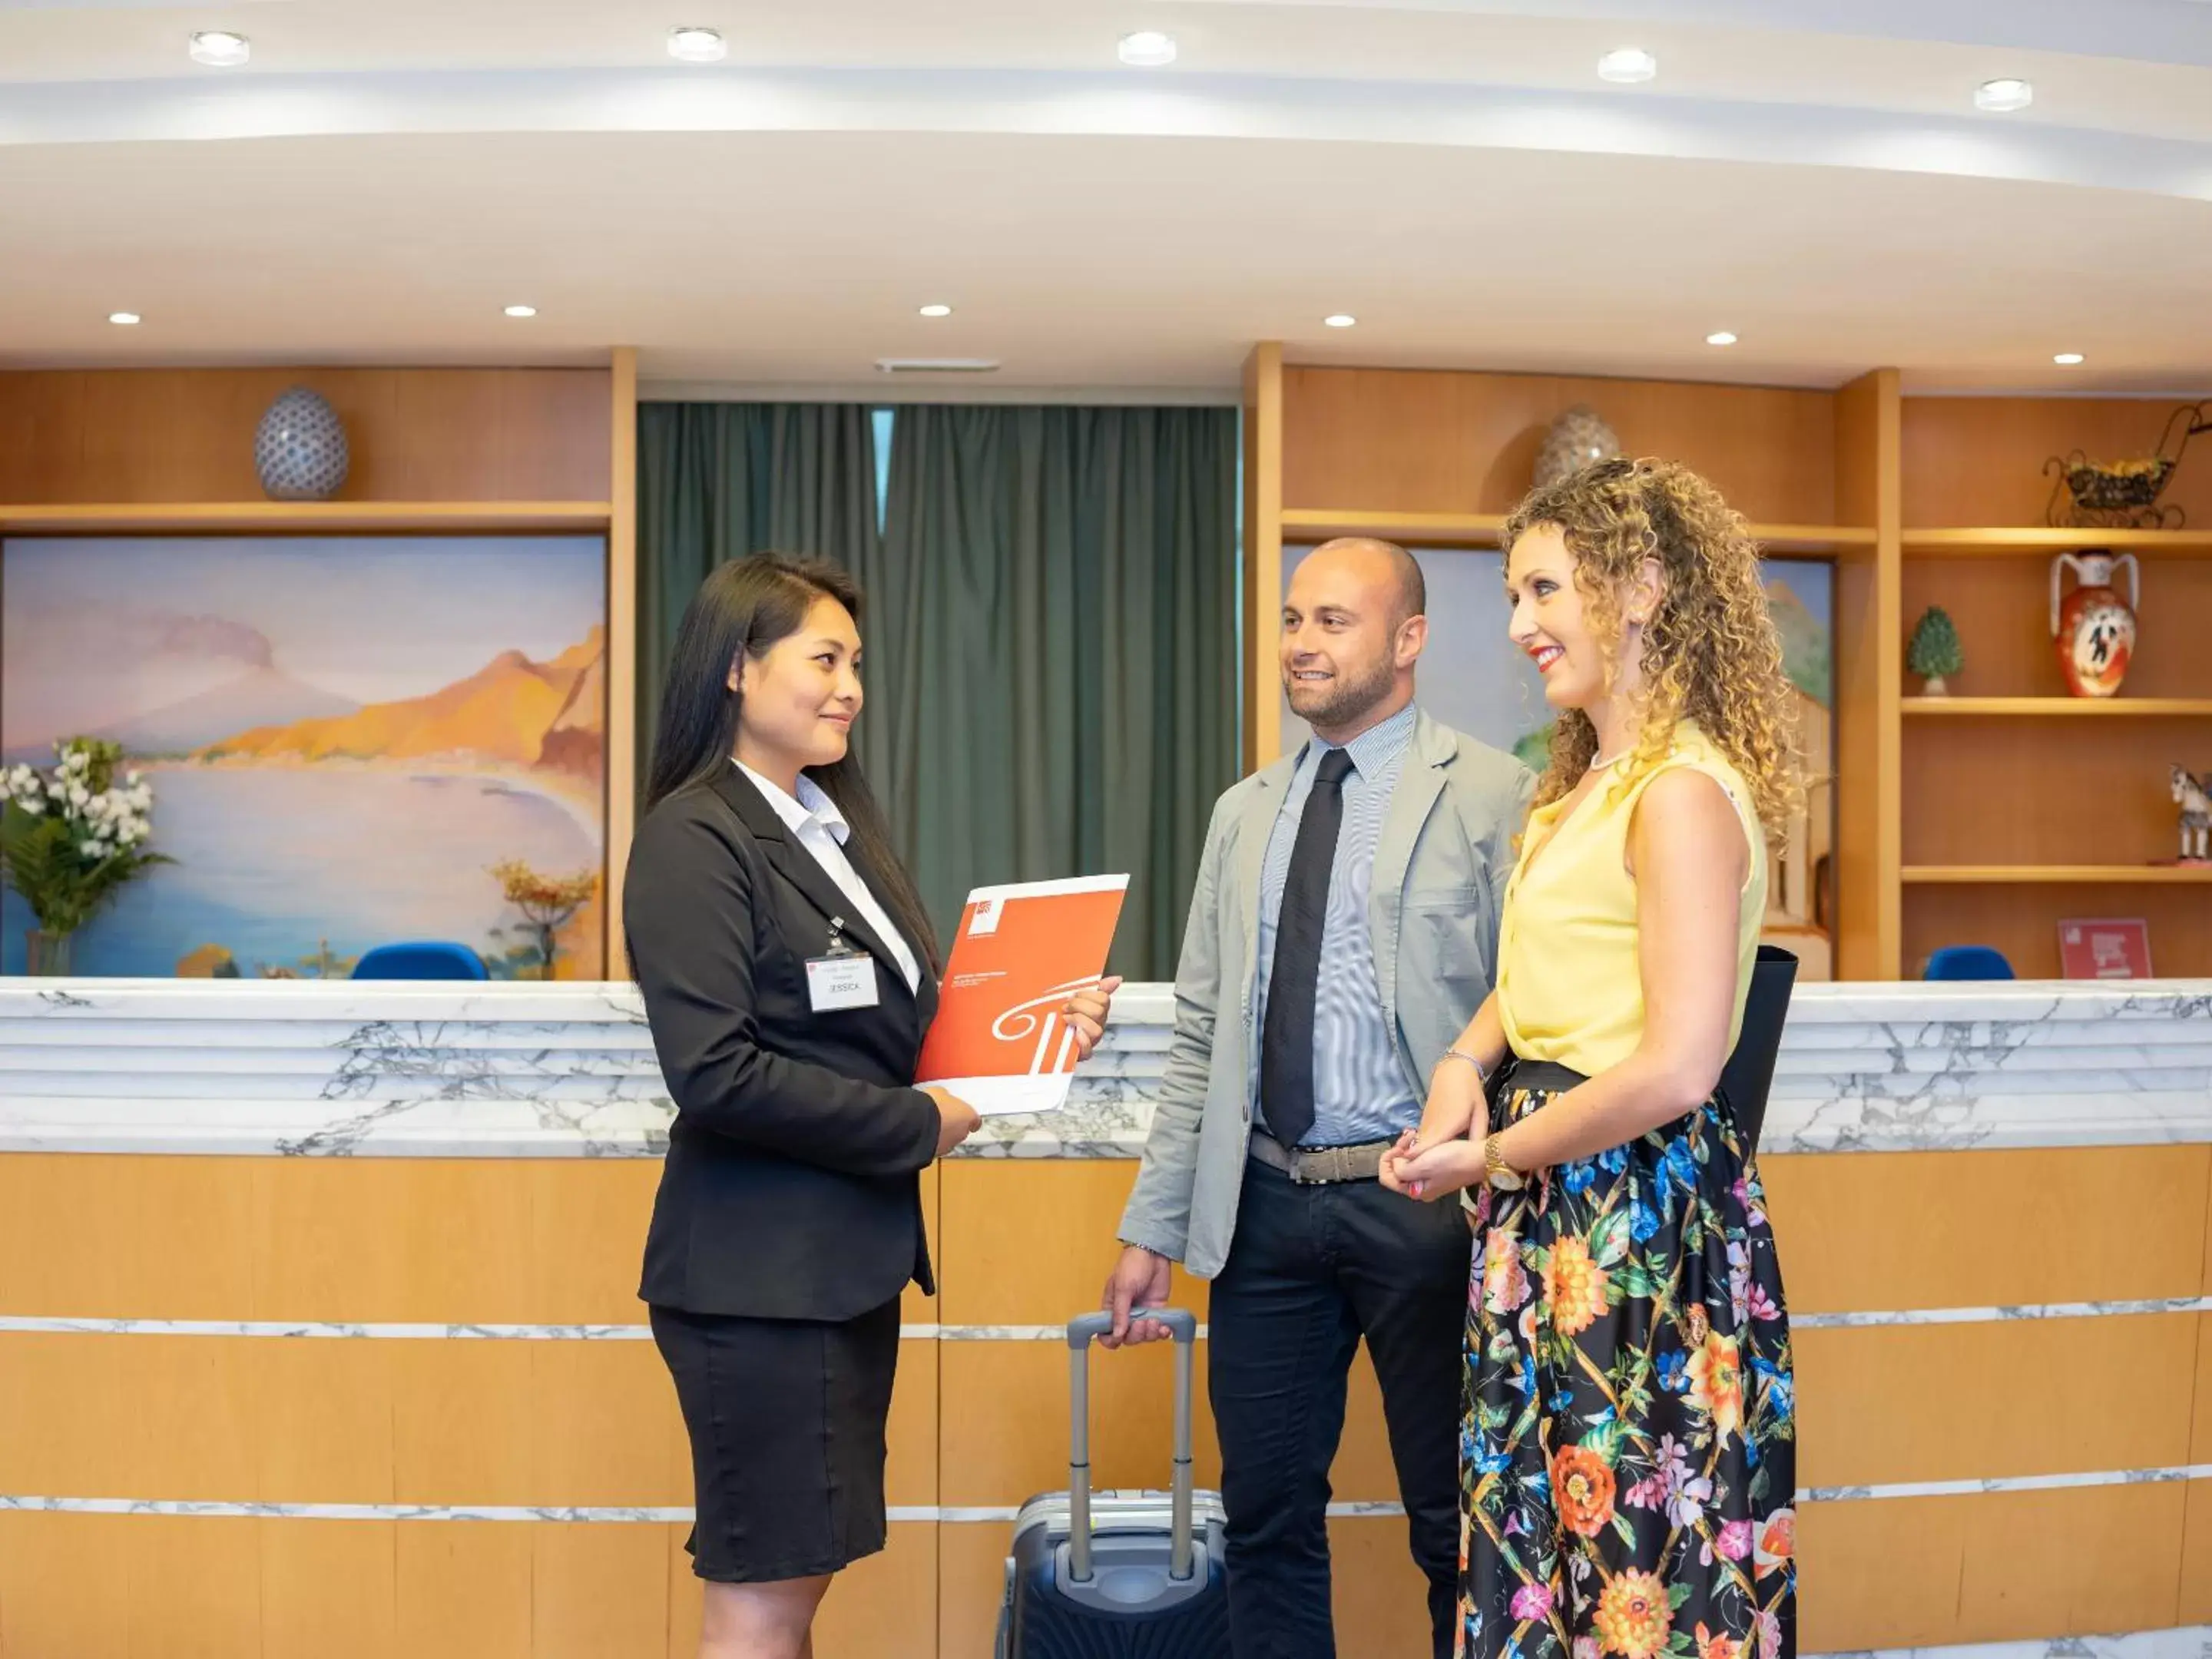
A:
[(999, 1041)]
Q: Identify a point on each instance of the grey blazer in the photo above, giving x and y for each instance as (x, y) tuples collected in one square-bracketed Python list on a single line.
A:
[(1438, 885)]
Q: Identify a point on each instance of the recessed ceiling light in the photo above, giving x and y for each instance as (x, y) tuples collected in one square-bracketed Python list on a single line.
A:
[(124, 319), (220, 48), (1720, 336), (2002, 96), (937, 311), (522, 310), (698, 45), (1627, 66), (1147, 49), (2066, 359), (1341, 320)]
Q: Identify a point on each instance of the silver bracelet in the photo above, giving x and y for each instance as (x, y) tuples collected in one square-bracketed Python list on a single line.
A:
[(1482, 1072)]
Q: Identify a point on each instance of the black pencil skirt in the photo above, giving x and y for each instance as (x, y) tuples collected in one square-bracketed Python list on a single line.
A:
[(785, 1418)]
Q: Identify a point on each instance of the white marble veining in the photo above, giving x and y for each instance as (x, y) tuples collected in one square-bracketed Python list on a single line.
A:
[(2184, 1641), (923, 1331), (383, 1069)]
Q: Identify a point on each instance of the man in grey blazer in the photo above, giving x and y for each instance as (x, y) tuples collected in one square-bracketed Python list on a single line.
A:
[(1343, 930)]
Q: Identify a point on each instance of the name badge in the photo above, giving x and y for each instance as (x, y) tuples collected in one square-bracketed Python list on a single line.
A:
[(845, 980)]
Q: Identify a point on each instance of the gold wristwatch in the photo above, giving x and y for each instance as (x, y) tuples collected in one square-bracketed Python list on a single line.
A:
[(1497, 1171)]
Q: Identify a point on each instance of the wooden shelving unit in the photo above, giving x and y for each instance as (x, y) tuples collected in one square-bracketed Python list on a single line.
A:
[(2055, 875), (1483, 529), (2121, 707), (1985, 816), (1969, 544), (2021, 806), (305, 518)]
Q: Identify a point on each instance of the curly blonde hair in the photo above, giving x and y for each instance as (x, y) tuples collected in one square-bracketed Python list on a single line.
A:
[(1711, 652)]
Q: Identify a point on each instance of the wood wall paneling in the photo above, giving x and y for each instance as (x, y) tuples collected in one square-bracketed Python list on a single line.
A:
[(2025, 792), (1978, 461), (419, 435), (1866, 656), (2023, 921), (1262, 552), (1438, 441), (622, 642)]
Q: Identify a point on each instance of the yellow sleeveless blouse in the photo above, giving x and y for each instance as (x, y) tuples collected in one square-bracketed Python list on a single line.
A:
[(1569, 989)]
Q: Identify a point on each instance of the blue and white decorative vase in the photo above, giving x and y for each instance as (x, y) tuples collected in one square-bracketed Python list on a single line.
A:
[(300, 448)]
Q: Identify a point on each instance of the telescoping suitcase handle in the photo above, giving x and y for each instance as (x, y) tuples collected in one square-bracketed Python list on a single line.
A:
[(1183, 1326)]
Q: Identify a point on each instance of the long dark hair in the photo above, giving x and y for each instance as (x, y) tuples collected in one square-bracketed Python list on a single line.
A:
[(744, 607)]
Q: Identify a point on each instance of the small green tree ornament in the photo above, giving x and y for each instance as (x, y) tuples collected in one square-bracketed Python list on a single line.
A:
[(1935, 653)]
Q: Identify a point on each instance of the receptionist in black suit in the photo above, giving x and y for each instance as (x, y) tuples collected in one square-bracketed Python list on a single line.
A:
[(789, 973)]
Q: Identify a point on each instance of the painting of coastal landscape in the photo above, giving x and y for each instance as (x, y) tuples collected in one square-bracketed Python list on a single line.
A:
[(1472, 678), (346, 737)]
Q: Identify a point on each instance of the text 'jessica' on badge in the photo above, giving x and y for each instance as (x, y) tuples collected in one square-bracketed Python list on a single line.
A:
[(845, 980)]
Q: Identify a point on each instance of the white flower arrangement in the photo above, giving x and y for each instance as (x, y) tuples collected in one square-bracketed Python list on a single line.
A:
[(71, 835)]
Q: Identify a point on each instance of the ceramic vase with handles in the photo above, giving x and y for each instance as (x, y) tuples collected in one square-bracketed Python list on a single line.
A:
[(2092, 627)]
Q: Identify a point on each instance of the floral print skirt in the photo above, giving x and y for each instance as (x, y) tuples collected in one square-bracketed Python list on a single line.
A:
[(1627, 1459)]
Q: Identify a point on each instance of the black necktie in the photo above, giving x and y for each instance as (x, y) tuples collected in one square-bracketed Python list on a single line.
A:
[(1286, 1034)]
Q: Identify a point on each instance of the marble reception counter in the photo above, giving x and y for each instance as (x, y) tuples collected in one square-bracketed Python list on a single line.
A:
[(290, 1273), (302, 1068)]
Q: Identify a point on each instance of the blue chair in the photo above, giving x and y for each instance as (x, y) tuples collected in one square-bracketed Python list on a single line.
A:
[(1968, 961), (426, 959)]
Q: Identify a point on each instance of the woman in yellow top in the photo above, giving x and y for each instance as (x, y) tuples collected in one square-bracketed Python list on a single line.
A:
[(1626, 1455)]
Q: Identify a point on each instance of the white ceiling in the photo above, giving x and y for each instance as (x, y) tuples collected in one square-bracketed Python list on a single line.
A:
[(1808, 173)]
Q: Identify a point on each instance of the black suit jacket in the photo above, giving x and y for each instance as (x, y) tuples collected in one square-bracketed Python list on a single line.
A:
[(793, 1185)]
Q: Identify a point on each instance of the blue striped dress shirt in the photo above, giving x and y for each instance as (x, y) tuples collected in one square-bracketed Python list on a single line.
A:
[(1360, 1089)]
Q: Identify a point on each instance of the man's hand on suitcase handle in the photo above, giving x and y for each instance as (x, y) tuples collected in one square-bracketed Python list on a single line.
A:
[(1139, 1279)]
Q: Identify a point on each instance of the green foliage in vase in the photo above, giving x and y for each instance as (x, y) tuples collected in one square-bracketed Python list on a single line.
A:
[(72, 835)]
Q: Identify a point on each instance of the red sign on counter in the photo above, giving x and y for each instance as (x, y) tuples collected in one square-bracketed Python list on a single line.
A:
[(2104, 950)]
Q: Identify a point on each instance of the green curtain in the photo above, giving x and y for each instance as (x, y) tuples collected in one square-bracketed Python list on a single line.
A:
[(718, 481), (1054, 647)]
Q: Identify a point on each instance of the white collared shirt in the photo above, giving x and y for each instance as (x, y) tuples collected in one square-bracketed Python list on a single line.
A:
[(821, 830)]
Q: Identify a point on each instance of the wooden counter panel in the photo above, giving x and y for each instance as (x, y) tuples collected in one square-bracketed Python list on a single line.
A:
[(1930, 1571), (268, 1419), (1959, 1403), (1031, 1241), (1874, 1231), (2195, 1605), (1003, 1433), (441, 1241)]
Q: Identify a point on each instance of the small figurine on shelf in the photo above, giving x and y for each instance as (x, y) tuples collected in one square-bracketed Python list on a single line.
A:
[(2193, 794), (1936, 654)]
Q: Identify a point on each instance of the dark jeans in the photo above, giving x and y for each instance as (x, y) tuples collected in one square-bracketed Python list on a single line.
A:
[(1310, 1271)]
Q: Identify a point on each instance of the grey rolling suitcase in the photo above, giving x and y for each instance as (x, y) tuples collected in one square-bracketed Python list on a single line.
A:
[(1122, 1575)]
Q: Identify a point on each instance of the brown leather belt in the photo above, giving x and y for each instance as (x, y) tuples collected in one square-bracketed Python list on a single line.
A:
[(1319, 1166)]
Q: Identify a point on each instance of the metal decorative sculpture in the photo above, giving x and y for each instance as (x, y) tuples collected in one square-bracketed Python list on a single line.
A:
[(2123, 494)]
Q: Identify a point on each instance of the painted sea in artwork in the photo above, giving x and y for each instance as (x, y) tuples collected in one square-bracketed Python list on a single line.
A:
[(343, 734)]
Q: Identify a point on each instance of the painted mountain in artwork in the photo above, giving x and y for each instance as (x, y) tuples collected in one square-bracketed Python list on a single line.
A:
[(263, 697), (514, 710)]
